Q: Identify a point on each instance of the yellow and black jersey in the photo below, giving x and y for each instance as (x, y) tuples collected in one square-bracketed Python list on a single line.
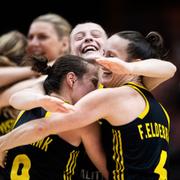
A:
[(88, 170), (6, 124), (139, 149), (50, 158), (8, 116)]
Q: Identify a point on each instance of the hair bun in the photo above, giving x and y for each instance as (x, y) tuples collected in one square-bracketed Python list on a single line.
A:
[(38, 63), (155, 39)]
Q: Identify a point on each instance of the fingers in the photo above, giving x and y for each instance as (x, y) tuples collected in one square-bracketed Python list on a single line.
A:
[(2, 158), (64, 107), (103, 62), (55, 104), (69, 107)]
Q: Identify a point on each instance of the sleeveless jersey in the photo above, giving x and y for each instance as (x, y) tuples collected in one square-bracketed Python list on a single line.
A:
[(6, 121), (6, 124), (89, 170), (50, 158), (139, 150)]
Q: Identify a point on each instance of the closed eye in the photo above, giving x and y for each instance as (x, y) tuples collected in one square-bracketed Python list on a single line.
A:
[(95, 82), (110, 54)]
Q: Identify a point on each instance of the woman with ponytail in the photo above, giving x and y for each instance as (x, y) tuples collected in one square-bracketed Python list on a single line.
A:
[(135, 126), (57, 156)]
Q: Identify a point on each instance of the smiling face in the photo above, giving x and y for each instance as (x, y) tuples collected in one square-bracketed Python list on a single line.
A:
[(88, 40), (115, 47), (44, 40)]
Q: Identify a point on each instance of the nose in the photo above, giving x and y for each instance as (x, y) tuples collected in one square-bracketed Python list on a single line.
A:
[(33, 41), (88, 39)]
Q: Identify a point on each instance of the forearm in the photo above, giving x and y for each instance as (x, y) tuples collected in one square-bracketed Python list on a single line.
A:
[(24, 134), (9, 75), (26, 100), (29, 96), (32, 131), (154, 71), (154, 68)]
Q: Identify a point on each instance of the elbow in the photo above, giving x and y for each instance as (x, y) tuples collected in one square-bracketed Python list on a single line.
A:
[(170, 70), (12, 101), (18, 102), (173, 70)]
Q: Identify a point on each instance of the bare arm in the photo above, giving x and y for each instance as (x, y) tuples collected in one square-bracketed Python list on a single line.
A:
[(154, 71), (91, 138), (34, 97), (6, 94), (86, 112), (9, 75), (27, 98)]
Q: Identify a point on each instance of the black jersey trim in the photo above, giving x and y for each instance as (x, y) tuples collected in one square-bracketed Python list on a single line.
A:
[(19, 116)]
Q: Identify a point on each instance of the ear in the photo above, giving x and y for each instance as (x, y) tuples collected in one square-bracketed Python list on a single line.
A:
[(65, 44), (71, 78)]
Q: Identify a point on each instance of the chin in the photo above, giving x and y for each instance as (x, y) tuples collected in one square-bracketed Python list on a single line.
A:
[(92, 55)]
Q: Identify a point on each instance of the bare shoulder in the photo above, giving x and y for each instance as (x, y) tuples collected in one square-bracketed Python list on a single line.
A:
[(121, 92)]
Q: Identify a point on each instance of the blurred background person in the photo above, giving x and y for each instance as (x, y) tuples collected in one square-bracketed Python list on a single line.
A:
[(49, 36)]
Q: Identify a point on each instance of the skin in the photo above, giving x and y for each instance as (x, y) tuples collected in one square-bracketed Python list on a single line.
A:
[(83, 36), (84, 112), (73, 88), (149, 69), (43, 40), (9, 75), (88, 40)]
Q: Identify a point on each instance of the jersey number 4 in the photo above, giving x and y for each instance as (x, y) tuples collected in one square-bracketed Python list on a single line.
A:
[(160, 167)]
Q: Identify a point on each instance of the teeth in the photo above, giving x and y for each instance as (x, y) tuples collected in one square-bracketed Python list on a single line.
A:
[(89, 48)]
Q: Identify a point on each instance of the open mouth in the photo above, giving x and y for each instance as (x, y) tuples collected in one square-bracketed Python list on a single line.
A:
[(89, 48)]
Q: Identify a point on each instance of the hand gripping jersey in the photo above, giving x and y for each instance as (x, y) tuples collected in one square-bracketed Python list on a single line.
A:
[(139, 150), (51, 158)]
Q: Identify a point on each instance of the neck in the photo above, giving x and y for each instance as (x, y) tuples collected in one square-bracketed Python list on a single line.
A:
[(125, 79), (62, 96)]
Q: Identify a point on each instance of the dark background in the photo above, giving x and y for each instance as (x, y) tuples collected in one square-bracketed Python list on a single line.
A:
[(113, 15), (116, 15)]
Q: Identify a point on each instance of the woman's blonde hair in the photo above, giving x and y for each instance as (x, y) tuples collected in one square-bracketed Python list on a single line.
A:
[(60, 24), (12, 48)]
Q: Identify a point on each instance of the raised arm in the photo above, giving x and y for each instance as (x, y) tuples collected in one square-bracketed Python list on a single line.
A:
[(9, 75), (154, 71)]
